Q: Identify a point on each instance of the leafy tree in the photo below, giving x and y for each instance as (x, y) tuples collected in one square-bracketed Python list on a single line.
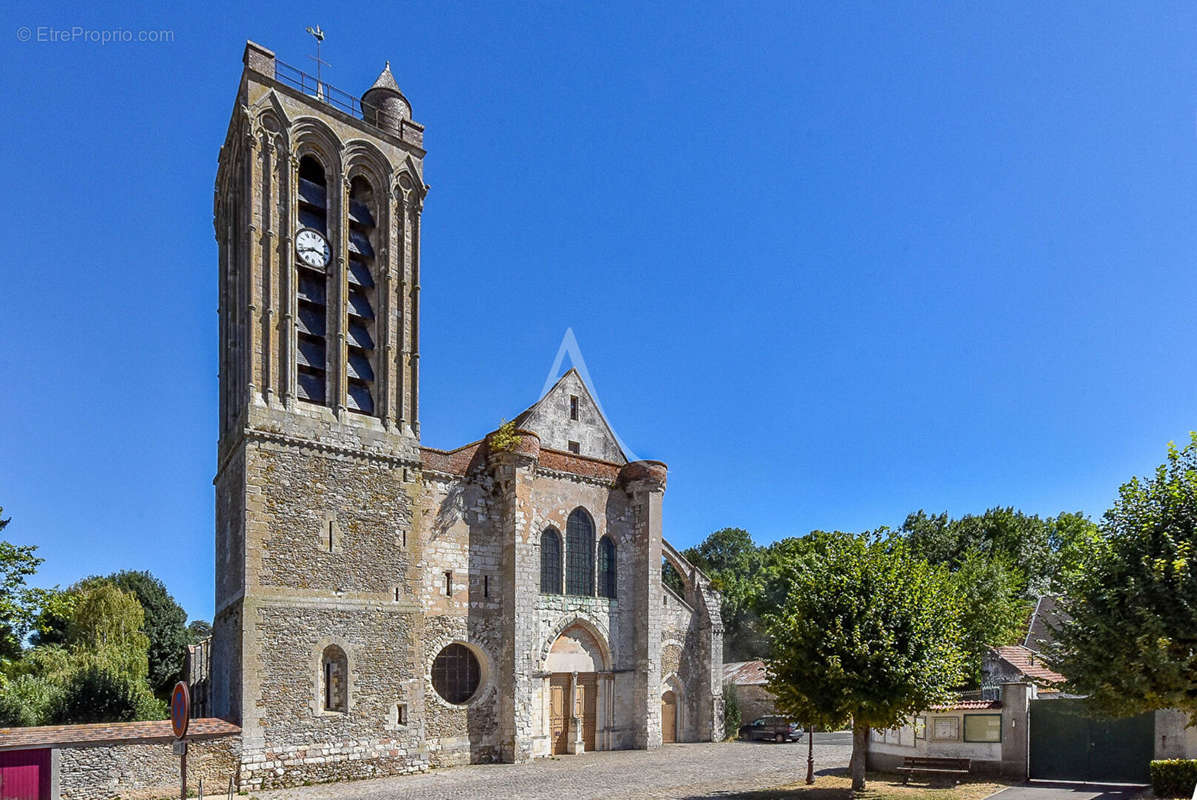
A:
[(55, 608), (993, 608), (1039, 549), (732, 561), (17, 601), (868, 632), (165, 625), (98, 674), (198, 630), (1129, 641)]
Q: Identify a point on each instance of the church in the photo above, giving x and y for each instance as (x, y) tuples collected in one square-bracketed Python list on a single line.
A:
[(382, 606)]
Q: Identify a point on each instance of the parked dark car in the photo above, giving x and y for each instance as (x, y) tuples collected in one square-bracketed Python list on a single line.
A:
[(771, 729)]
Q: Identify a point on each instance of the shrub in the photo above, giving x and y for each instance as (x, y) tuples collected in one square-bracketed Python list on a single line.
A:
[(28, 700), (97, 693), (1173, 778), (731, 712)]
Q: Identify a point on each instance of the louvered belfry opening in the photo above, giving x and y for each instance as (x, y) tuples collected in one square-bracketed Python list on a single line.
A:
[(311, 287), (361, 337)]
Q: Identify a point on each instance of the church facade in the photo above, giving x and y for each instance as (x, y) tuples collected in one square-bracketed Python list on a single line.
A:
[(382, 606)]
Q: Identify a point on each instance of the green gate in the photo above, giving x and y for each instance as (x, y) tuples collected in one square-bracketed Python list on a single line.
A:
[(1069, 745)]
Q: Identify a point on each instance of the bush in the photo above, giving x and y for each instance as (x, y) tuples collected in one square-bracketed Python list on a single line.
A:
[(1173, 778), (96, 693), (731, 712), (28, 700)]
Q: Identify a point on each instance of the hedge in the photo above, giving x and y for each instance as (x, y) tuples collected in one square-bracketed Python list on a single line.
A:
[(1173, 778)]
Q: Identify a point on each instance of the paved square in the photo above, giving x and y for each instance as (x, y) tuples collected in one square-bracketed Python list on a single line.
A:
[(674, 771)]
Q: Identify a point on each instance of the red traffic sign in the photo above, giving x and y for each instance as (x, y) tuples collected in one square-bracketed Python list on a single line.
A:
[(180, 709)]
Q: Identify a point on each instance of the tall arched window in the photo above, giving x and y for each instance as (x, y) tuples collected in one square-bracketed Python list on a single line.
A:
[(311, 285), (360, 341), (550, 562), (579, 554), (334, 679), (606, 567)]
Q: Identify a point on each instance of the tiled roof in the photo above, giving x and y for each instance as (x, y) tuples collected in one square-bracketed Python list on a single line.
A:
[(459, 461), (51, 735), (574, 464), (967, 705), (1029, 663), (745, 673)]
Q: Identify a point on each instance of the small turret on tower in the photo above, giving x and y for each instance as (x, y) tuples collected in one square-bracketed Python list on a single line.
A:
[(383, 104)]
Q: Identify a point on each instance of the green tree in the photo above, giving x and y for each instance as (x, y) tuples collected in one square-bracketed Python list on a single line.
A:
[(165, 625), (108, 622), (732, 561), (198, 630), (17, 601), (1040, 550), (1130, 638), (97, 675), (868, 632), (993, 606)]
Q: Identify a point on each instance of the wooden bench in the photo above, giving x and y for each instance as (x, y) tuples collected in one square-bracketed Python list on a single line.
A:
[(953, 767)]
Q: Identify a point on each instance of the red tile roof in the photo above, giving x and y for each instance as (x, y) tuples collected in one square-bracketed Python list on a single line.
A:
[(1029, 663), (745, 673), (52, 735), (967, 705)]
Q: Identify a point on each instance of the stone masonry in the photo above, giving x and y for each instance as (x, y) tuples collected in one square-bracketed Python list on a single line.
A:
[(379, 604)]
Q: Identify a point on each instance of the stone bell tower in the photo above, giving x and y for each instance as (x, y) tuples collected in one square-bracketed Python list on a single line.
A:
[(317, 215)]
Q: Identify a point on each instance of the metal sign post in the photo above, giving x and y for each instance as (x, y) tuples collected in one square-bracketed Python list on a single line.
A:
[(180, 716)]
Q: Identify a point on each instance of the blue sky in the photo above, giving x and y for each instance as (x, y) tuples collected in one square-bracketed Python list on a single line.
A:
[(833, 263)]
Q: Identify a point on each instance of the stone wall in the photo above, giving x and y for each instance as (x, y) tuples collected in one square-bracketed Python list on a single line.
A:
[(144, 768), (755, 702), (131, 760)]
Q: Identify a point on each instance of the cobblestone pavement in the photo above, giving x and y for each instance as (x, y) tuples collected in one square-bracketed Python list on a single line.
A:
[(674, 771)]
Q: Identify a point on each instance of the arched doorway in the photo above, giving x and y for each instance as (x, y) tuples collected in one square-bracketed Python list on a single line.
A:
[(669, 717), (578, 675)]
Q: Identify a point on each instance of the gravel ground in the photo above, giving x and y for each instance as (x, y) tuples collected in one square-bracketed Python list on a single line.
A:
[(674, 771)]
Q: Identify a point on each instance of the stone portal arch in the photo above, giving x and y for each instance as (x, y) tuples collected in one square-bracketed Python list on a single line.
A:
[(577, 693)]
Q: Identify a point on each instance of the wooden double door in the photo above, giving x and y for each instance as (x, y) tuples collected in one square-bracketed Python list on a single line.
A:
[(585, 708)]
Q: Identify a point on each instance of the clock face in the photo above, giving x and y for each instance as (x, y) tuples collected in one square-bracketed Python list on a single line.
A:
[(312, 248)]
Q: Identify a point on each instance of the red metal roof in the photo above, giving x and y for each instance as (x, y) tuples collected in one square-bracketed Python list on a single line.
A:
[(745, 673), (50, 735)]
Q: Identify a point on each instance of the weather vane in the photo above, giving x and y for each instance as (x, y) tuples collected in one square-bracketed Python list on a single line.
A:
[(318, 35)]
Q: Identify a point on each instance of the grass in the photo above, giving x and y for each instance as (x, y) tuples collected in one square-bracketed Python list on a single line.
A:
[(837, 785)]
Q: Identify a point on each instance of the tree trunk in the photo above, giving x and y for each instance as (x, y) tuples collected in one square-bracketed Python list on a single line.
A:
[(860, 749)]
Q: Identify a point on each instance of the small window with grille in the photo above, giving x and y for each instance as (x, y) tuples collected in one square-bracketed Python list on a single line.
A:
[(575, 447)]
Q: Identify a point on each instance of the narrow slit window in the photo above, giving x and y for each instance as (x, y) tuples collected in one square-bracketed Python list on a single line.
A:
[(573, 407), (330, 536), (486, 586), (401, 713), (448, 583)]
